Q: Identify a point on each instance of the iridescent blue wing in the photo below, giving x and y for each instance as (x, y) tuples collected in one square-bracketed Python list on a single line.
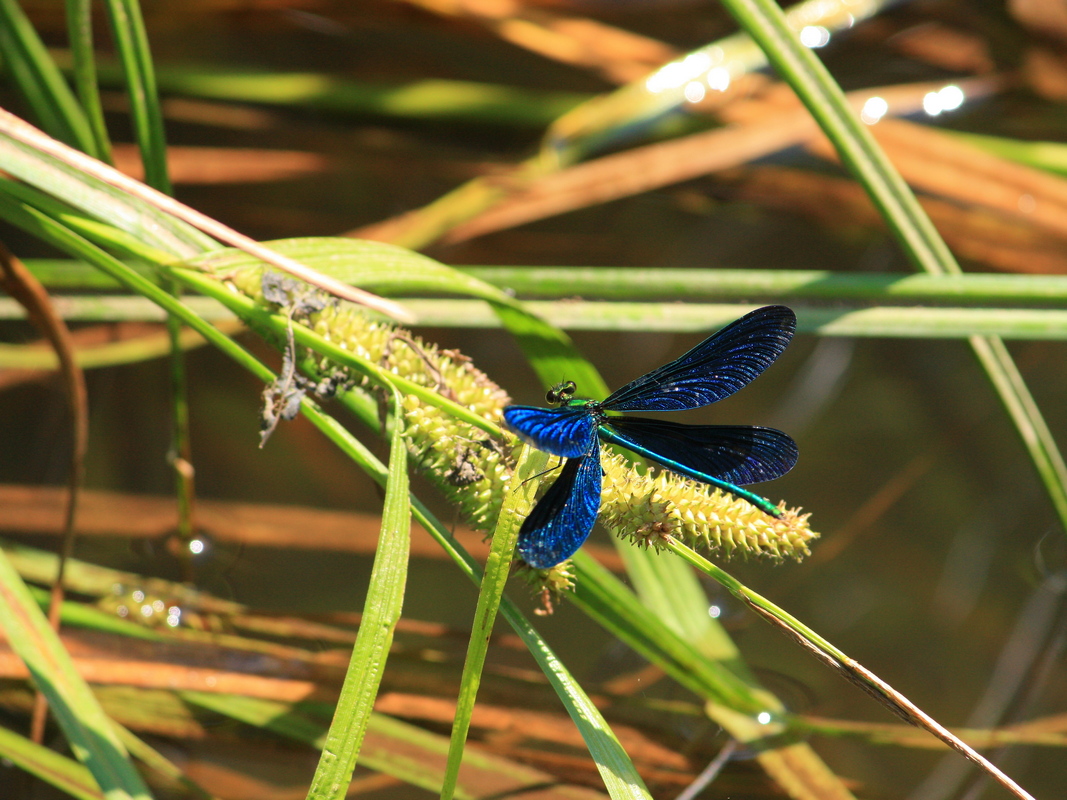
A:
[(715, 368), (568, 432), (727, 456), (562, 519)]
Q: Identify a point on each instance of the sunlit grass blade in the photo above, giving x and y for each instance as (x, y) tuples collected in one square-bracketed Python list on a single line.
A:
[(381, 612), (529, 465), (663, 283), (99, 199), (84, 723), (38, 79), (131, 45), (1049, 156), (432, 100), (49, 766)]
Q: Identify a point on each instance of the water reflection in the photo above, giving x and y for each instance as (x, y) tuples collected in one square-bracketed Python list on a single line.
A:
[(814, 36), (948, 98)]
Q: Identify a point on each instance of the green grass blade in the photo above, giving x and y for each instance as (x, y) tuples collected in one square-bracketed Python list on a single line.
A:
[(131, 44), (530, 464), (766, 24), (39, 80), (668, 283), (80, 33), (616, 770), (84, 723), (1049, 156), (49, 766), (432, 100), (385, 598)]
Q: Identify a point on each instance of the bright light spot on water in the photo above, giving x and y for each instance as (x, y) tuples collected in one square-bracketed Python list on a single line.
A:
[(137, 595), (952, 97), (764, 718), (174, 616), (714, 612), (874, 109), (948, 99), (814, 36), (1027, 203), (196, 546), (695, 91), (932, 104), (147, 611), (719, 79)]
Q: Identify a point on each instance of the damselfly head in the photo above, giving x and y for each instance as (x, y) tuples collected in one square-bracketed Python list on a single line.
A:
[(561, 393)]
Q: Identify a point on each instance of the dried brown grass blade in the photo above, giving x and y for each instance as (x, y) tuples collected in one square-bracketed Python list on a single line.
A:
[(22, 131), (617, 55)]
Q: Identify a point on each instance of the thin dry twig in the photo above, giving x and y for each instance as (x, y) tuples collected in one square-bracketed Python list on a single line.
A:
[(894, 700)]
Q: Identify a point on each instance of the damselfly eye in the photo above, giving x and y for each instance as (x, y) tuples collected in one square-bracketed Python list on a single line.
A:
[(561, 393)]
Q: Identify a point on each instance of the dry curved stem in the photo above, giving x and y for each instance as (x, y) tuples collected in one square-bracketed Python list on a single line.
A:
[(18, 282), (617, 55), (847, 666)]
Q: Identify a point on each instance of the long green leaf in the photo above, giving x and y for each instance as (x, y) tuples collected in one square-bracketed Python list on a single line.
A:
[(80, 33), (381, 612), (783, 285), (39, 80), (84, 723), (131, 45), (49, 766), (516, 508)]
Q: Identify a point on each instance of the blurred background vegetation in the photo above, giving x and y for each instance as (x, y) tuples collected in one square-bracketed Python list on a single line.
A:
[(941, 562)]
